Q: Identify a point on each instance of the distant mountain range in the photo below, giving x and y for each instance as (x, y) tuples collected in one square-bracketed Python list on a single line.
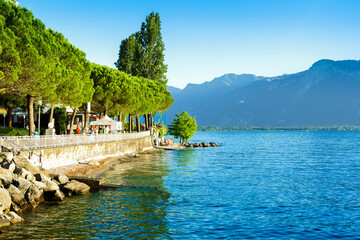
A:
[(327, 94)]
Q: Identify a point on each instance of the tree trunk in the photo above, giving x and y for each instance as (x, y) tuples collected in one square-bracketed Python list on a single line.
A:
[(9, 116), (146, 122), (72, 121), (138, 123), (120, 117), (130, 123), (87, 120), (30, 102), (151, 120), (51, 113)]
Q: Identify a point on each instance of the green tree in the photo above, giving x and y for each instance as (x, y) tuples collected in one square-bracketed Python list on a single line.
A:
[(60, 122), (184, 126), (142, 53), (152, 65)]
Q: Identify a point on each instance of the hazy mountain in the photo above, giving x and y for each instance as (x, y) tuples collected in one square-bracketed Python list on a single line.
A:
[(326, 94)]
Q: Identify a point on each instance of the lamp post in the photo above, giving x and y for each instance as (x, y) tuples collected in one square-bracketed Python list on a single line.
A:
[(39, 103), (24, 121)]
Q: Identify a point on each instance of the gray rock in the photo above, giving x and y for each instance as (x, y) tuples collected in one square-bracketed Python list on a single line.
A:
[(39, 185), (212, 144), (14, 218), (204, 144), (8, 165), (5, 179), (62, 179), (17, 196), (8, 156), (22, 172), (33, 195), (6, 172), (15, 207), (22, 184), (22, 162), (5, 200), (75, 187), (54, 196), (4, 222), (196, 145), (40, 177), (50, 185), (57, 183)]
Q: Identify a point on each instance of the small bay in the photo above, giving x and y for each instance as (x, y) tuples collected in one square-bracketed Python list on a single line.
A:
[(256, 185)]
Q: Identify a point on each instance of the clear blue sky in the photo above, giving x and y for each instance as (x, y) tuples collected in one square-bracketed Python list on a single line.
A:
[(205, 39)]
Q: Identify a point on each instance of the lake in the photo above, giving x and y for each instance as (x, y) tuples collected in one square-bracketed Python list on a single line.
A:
[(257, 185)]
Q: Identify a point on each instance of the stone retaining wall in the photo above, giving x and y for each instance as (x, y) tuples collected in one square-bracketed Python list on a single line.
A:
[(62, 156)]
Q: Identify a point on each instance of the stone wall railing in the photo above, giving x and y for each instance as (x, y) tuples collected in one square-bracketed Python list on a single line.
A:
[(27, 143)]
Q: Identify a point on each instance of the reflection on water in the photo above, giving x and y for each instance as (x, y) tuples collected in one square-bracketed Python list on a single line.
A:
[(136, 211), (258, 185)]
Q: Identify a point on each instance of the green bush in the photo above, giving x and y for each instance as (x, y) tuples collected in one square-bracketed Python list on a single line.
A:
[(9, 131)]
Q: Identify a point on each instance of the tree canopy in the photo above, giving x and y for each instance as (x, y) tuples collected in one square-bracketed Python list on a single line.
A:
[(184, 126), (117, 91), (39, 63)]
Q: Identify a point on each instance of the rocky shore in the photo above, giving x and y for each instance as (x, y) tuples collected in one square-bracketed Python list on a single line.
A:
[(24, 186), (202, 144)]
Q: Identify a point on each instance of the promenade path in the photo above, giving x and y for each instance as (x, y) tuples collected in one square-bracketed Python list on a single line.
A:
[(28, 143)]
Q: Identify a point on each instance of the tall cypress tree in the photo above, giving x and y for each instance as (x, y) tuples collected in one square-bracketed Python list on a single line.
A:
[(142, 54), (153, 66)]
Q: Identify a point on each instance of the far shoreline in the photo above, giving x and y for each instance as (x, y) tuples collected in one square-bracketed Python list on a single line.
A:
[(235, 128)]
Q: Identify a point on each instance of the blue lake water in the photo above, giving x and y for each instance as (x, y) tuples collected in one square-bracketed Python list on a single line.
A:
[(257, 185)]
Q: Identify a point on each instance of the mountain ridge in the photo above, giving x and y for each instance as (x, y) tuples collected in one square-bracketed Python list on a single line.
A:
[(323, 95)]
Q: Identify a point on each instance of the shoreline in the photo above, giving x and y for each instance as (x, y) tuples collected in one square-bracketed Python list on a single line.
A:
[(95, 168)]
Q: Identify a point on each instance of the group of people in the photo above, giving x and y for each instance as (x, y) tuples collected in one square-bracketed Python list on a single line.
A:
[(93, 130)]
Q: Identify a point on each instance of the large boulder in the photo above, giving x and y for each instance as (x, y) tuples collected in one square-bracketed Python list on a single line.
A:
[(50, 185), (17, 196), (205, 144), (33, 195), (212, 144), (5, 200), (62, 179), (51, 196), (24, 173), (22, 184), (5, 180), (14, 218), (22, 162), (8, 165), (8, 156), (40, 177), (39, 185), (75, 187)]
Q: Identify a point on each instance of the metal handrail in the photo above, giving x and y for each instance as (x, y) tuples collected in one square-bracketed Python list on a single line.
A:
[(27, 143)]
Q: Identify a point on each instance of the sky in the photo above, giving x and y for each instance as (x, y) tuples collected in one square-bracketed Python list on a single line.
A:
[(205, 39)]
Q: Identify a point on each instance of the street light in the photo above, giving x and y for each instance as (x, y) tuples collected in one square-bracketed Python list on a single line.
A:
[(39, 103)]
